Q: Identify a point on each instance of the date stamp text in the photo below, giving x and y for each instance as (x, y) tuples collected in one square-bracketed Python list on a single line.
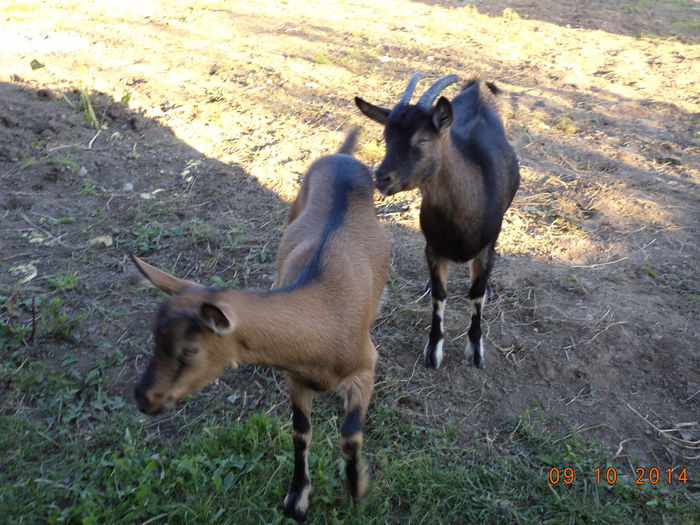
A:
[(609, 475)]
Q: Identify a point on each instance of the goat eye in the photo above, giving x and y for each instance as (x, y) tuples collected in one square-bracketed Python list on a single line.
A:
[(422, 142), (189, 351)]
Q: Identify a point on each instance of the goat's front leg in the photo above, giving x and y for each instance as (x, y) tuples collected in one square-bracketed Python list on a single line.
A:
[(358, 391), (297, 501), (478, 290), (438, 267)]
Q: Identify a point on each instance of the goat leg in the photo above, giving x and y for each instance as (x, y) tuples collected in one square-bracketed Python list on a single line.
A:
[(479, 289), (432, 354), (357, 395), (296, 502)]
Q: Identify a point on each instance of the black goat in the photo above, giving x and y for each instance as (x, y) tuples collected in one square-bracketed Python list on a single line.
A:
[(458, 156)]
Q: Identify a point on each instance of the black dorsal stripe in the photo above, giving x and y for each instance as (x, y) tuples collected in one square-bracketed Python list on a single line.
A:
[(344, 170)]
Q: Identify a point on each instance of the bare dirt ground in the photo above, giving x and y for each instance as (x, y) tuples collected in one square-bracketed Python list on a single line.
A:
[(210, 111)]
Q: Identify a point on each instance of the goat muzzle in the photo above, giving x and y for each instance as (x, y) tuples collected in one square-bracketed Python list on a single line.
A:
[(385, 183), (149, 406)]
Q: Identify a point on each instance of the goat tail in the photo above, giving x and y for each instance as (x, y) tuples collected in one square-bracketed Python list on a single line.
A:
[(350, 141), (493, 88), (489, 96), (474, 79)]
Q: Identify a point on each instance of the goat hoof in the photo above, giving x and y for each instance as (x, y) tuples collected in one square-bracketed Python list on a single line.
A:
[(357, 481), (295, 513), (478, 361), (432, 357), (296, 504)]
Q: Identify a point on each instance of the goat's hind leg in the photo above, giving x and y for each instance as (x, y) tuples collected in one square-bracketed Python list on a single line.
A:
[(296, 502), (357, 391), (479, 289), (438, 267)]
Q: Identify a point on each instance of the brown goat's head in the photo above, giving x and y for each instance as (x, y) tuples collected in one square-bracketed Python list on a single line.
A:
[(411, 134), (189, 349)]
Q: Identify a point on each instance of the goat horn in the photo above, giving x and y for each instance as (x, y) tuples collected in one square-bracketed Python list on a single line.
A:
[(408, 93), (427, 99)]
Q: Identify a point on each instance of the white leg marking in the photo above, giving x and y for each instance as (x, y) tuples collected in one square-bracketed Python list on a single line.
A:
[(474, 302), (472, 350), (303, 503), (440, 311), (438, 353), (479, 348)]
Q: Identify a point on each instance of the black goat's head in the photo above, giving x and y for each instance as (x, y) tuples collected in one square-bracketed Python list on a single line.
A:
[(411, 133)]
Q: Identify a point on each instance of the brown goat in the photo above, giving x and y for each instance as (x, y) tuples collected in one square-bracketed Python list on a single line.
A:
[(314, 324)]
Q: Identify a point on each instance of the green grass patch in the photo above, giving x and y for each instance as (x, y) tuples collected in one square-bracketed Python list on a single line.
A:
[(74, 454), (64, 282), (31, 320), (651, 273), (153, 235), (63, 162)]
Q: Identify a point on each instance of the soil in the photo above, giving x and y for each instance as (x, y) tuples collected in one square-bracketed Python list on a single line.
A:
[(209, 112)]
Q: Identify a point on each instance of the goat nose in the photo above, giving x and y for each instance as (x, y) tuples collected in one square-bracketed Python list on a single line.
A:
[(141, 399), (381, 177)]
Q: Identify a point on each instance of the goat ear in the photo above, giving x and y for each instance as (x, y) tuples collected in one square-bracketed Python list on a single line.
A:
[(219, 320), (442, 114), (162, 280), (376, 113)]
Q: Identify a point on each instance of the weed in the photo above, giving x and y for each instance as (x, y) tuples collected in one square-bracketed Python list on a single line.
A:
[(258, 254), (323, 57), (68, 100), (221, 283), (61, 220), (12, 332), (199, 232), (45, 316), (53, 319), (133, 154), (216, 94), (64, 282), (510, 14), (233, 240), (87, 107), (65, 162), (151, 236), (565, 124), (616, 278), (27, 163), (88, 187)]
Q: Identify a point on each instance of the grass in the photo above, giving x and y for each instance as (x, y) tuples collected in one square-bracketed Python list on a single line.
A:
[(27, 320), (88, 108), (73, 453), (155, 235)]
